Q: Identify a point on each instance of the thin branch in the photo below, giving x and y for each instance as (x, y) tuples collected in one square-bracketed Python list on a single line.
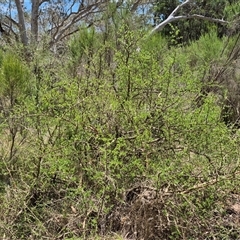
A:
[(178, 7), (9, 29), (73, 18), (12, 21), (72, 5), (135, 5), (43, 1), (72, 32), (197, 16)]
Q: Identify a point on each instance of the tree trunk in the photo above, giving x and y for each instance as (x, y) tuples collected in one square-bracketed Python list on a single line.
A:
[(34, 20), (22, 26)]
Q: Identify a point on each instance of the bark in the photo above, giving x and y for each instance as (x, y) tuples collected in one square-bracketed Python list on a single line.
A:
[(22, 26), (34, 20)]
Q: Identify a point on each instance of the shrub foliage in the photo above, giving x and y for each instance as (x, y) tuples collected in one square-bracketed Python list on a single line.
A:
[(111, 136)]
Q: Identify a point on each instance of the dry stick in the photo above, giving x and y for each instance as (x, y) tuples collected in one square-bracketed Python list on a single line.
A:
[(205, 184)]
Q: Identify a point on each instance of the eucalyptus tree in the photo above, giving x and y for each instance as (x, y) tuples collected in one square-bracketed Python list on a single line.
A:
[(57, 19), (25, 19), (199, 16)]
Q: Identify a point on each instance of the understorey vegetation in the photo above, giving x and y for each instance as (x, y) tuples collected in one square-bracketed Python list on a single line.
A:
[(120, 134)]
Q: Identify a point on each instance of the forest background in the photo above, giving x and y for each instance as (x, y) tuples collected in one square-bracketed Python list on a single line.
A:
[(119, 119)]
